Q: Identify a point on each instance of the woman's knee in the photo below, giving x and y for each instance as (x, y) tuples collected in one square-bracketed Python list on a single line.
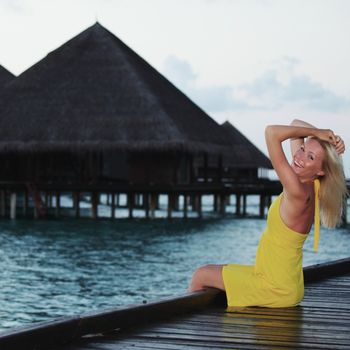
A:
[(208, 275), (201, 271), (198, 273)]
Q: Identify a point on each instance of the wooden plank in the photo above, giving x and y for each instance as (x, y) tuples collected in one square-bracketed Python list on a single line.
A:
[(43, 333), (139, 314), (218, 342), (321, 271), (277, 324), (156, 343), (264, 332)]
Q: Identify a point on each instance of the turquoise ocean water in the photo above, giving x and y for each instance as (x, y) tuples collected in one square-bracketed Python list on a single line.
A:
[(53, 268)]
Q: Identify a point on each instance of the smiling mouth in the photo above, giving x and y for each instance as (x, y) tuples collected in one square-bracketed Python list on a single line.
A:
[(297, 164)]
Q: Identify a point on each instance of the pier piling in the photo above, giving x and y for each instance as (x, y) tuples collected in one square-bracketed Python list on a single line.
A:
[(13, 204)]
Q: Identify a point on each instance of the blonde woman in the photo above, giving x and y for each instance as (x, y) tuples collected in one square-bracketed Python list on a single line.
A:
[(313, 184)]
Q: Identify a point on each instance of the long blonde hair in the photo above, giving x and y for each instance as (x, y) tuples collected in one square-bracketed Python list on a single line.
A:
[(333, 190)]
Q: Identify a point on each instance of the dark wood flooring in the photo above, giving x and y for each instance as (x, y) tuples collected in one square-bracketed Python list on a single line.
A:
[(322, 321)]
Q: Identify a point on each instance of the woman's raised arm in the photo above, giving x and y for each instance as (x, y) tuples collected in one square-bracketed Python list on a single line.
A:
[(275, 135), (296, 142)]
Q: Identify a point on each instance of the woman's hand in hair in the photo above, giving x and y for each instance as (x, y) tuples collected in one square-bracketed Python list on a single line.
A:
[(340, 145), (326, 135)]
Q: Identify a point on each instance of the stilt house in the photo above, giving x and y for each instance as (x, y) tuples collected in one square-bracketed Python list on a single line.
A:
[(93, 111), (246, 163)]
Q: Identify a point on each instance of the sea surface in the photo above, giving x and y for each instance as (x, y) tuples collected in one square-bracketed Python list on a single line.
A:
[(52, 268)]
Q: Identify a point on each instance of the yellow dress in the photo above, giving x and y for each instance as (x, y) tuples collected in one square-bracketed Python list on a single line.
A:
[(276, 279)]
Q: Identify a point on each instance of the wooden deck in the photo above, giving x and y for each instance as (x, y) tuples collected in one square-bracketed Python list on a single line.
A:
[(322, 321), (201, 321)]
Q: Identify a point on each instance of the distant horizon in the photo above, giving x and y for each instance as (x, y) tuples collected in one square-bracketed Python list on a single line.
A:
[(241, 61)]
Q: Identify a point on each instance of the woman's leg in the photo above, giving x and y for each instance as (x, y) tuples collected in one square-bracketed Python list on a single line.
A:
[(207, 276)]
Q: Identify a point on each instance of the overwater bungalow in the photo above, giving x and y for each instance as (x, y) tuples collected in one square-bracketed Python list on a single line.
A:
[(246, 162), (94, 116)]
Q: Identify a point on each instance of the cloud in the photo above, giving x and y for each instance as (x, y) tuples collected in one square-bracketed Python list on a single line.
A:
[(12, 5), (179, 71), (282, 86), (211, 98), (275, 88), (313, 95)]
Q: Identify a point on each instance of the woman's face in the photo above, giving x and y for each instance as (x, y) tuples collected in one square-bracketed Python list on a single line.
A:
[(308, 159)]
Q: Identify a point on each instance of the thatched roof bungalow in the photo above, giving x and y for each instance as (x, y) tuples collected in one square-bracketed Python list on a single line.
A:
[(95, 92), (245, 160), (93, 109), (243, 163)]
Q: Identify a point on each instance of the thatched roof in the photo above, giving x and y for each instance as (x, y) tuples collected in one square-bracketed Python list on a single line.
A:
[(5, 77), (94, 92), (243, 153)]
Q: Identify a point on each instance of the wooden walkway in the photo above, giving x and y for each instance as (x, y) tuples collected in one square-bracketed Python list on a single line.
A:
[(200, 320), (322, 321)]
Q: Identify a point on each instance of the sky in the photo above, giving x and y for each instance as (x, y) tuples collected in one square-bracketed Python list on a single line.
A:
[(251, 62)]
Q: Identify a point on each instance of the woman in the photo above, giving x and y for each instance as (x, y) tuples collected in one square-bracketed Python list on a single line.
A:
[(313, 184)]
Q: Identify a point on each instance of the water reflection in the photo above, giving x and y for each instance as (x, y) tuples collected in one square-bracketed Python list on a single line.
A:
[(265, 326)]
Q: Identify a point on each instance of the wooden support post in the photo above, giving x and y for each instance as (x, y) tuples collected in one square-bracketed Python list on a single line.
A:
[(176, 202), (113, 205), (13, 204), (185, 205), (244, 205), (76, 203), (222, 204), (146, 204), (3, 202), (170, 205), (94, 205), (131, 201), (58, 203), (215, 209), (153, 205), (199, 204), (238, 204), (262, 206), (25, 202)]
